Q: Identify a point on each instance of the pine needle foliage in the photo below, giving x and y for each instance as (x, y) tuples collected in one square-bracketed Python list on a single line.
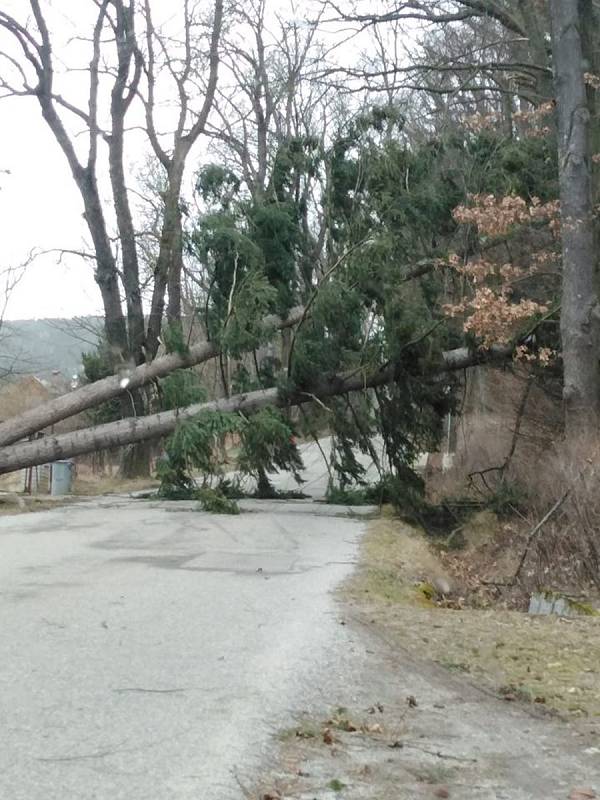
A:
[(385, 204), (180, 389), (191, 451), (268, 445), (244, 331)]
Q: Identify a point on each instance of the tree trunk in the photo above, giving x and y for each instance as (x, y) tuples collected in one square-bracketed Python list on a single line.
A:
[(535, 23), (135, 459), (96, 393), (106, 277), (170, 241), (579, 312), (591, 52), (141, 429), (175, 272), (93, 394), (121, 97)]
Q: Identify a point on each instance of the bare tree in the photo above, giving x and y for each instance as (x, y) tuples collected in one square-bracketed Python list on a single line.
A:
[(499, 48), (123, 68), (31, 72), (185, 76), (117, 68), (267, 99)]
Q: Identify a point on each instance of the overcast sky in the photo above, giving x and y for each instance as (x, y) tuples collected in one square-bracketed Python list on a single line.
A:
[(40, 208)]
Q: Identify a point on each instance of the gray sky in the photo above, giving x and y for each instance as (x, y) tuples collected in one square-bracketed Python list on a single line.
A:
[(40, 208)]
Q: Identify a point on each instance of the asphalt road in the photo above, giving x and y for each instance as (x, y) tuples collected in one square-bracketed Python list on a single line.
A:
[(149, 651)]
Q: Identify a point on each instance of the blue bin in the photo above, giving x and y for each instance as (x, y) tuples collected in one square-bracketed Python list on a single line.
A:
[(62, 477)]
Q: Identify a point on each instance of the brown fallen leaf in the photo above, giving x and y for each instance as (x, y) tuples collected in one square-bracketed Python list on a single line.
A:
[(328, 736), (579, 793), (441, 791)]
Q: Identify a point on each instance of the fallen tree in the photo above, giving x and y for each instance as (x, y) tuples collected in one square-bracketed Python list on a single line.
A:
[(130, 379), (138, 429), (93, 394)]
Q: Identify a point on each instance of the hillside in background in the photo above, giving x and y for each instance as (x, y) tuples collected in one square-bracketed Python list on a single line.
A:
[(41, 346)]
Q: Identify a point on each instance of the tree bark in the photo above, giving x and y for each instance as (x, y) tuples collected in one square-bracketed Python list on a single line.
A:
[(122, 94), (169, 250), (590, 14), (579, 311), (135, 461)]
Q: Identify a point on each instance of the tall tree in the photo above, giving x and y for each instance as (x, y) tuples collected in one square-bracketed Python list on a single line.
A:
[(118, 69), (35, 53), (580, 316), (186, 77)]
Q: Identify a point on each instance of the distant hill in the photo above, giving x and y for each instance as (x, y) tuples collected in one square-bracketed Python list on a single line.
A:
[(41, 346)]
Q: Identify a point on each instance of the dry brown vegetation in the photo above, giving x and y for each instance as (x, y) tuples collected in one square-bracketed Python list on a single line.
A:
[(509, 454), (549, 661)]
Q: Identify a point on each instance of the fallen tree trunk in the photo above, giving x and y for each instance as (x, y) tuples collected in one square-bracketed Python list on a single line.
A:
[(138, 429), (93, 394)]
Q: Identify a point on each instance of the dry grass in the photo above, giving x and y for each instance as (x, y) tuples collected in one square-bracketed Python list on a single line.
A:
[(510, 446), (547, 660), (100, 485), (565, 552)]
